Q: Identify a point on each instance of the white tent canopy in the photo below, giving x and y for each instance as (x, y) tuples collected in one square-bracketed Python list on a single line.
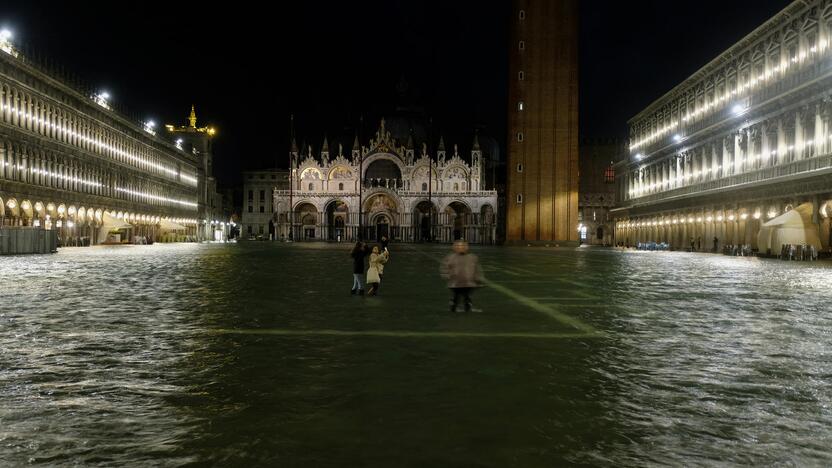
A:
[(792, 227), (111, 223), (169, 225)]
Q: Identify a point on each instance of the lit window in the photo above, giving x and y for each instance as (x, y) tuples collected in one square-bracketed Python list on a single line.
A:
[(522, 15), (519, 168), (521, 45), (519, 136), (519, 198), (609, 174), (521, 75), (520, 105)]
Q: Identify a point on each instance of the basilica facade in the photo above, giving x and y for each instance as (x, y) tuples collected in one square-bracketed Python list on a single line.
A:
[(383, 188)]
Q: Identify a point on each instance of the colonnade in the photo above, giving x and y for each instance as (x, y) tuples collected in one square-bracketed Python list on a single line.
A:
[(715, 227)]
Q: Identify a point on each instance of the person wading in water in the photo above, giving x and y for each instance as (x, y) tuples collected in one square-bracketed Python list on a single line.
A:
[(376, 270), (359, 251), (463, 272)]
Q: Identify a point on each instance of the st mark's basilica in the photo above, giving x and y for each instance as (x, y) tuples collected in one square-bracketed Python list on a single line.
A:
[(385, 188)]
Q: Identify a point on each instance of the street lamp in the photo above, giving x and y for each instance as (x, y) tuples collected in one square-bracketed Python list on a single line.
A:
[(149, 126), (102, 99), (6, 42)]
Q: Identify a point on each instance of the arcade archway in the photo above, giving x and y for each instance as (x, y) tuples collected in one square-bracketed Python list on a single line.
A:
[(337, 215)]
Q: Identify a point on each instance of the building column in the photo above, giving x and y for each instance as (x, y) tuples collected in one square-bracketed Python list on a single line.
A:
[(819, 138)]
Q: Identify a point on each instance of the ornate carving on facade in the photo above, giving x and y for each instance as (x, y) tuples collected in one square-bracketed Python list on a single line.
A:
[(393, 184)]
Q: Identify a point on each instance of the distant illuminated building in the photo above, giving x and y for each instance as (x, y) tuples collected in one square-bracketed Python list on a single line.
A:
[(198, 142), (740, 153), (386, 188), (72, 164)]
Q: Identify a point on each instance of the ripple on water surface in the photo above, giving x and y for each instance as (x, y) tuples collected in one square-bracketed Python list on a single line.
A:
[(110, 356)]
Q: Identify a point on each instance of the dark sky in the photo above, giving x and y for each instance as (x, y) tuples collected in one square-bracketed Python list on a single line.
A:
[(330, 62)]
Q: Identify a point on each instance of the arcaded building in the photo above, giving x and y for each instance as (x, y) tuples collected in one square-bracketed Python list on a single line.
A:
[(740, 153), (542, 199), (71, 163)]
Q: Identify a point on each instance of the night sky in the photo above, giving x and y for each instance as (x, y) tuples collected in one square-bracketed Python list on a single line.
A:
[(329, 63)]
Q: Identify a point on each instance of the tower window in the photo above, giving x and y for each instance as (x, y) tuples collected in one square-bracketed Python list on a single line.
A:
[(522, 15), (521, 76), (609, 174), (519, 167), (520, 105), (519, 136), (521, 45), (519, 198)]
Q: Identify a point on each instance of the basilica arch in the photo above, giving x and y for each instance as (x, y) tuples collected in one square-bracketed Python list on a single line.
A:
[(382, 210), (337, 218), (307, 217)]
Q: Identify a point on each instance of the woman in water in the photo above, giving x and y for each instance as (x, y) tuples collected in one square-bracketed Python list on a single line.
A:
[(377, 261), (359, 251)]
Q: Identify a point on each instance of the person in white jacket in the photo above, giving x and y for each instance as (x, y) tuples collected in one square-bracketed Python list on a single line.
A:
[(376, 269)]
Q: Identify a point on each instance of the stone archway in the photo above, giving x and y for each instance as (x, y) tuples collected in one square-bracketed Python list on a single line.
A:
[(458, 217), (424, 219), (381, 226), (337, 213), (383, 172), (306, 217), (382, 213)]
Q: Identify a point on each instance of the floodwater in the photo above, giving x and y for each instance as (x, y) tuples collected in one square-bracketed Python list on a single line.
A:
[(255, 354)]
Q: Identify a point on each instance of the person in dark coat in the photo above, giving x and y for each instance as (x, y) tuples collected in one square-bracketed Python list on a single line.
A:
[(384, 241), (359, 252)]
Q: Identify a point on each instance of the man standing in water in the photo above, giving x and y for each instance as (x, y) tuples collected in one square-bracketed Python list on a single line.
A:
[(463, 272)]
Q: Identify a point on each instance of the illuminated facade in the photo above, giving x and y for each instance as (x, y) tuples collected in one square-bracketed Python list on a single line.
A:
[(739, 145), (69, 163), (385, 188), (542, 199), (198, 141)]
